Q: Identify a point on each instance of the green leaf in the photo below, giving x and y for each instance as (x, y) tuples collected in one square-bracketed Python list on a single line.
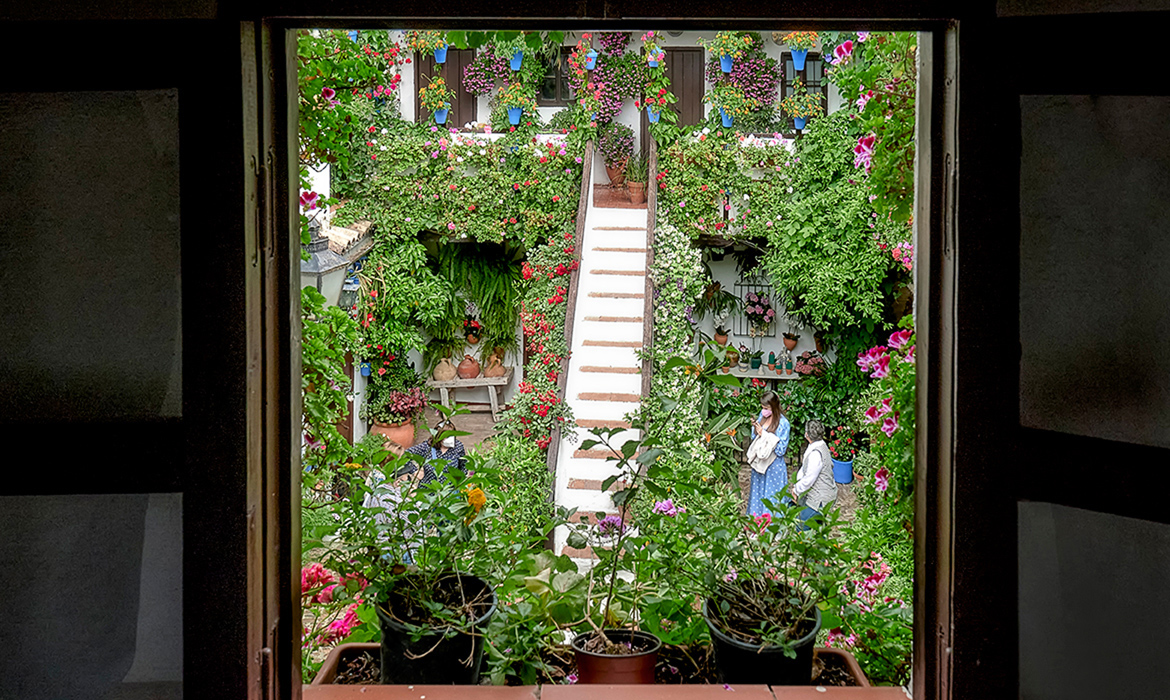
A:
[(576, 540)]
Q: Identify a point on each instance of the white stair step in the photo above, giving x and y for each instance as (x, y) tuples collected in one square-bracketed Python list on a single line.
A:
[(604, 383), (593, 260), (589, 355), (605, 330)]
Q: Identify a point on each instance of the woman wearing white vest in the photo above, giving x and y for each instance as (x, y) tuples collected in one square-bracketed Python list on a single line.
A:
[(815, 487)]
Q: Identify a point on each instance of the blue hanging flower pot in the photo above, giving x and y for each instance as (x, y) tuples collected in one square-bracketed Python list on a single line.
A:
[(352, 34), (514, 115), (590, 59), (365, 367), (516, 61), (800, 122), (726, 63), (798, 56), (441, 54), (441, 115), (727, 118), (654, 114), (652, 60)]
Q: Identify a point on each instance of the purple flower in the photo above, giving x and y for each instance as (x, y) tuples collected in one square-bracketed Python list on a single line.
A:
[(571, 678), (862, 37), (666, 508), (610, 525), (889, 426), (727, 687), (881, 480)]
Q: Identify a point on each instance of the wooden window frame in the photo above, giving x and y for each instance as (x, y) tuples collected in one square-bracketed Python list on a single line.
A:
[(561, 82), (802, 74)]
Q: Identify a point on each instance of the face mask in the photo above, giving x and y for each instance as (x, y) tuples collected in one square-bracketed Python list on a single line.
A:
[(767, 413), (448, 442)]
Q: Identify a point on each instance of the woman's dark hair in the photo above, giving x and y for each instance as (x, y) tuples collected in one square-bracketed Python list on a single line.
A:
[(772, 401), (443, 426)]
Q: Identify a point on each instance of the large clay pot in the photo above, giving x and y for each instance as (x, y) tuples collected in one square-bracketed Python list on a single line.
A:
[(721, 338), (401, 433), (472, 339), (445, 371), (637, 192), (469, 368), (617, 176), (790, 343), (494, 367)]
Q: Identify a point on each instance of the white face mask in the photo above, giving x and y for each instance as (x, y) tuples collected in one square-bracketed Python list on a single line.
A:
[(448, 442)]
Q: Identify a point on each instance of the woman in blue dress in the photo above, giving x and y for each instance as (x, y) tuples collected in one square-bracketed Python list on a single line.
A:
[(771, 483)]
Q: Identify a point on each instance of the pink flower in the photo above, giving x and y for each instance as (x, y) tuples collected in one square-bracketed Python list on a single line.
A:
[(881, 367), (863, 152), (309, 200), (881, 480), (729, 578), (890, 425), (886, 406), (910, 355), (864, 100), (451, 225), (862, 37), (843, 53), (872, 414), (900, 338)]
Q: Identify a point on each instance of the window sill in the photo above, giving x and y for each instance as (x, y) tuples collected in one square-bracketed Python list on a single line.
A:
[(596, 692)]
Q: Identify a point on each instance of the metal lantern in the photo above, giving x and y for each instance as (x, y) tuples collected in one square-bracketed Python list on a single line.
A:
[(324, 270)]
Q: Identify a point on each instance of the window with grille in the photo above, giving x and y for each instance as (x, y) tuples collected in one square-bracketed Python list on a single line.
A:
[(813, 77), (554, 88)]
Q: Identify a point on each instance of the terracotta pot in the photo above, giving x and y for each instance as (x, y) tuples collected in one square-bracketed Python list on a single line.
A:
[(771, 366), (846, 659), (341, 654), (472, 339), (637, 192), (820, 342), (617, 176), (617, 669), (401, 433), (469, 368), (790, 343), (444, 371), (721, 338), (494, 367), (733, 357)]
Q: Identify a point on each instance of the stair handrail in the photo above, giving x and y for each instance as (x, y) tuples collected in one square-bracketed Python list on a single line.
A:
[(648, 295)]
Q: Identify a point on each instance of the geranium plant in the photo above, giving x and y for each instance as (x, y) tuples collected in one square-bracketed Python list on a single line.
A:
[(810, 363), (731, 99), (435, 95), (731, 44), (841, 444), (758, 310), (614, 43), (517, 95), (800, 40), (615, 143), (801, 103), (421, 41), (650, 44)]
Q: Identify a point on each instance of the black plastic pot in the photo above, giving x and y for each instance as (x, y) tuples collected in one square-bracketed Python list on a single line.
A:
[(439, 657), (740, 662), (617, 668)]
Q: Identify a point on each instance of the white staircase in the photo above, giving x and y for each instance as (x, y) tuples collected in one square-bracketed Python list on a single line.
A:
[(604, 381)]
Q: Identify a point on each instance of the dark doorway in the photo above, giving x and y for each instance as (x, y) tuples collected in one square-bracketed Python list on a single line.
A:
[(463, 106), (684, 67)]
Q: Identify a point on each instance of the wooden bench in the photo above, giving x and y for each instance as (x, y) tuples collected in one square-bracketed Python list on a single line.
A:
[(493, 384)]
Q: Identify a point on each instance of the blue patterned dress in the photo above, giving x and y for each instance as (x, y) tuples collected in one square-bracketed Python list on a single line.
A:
[(771, 483)]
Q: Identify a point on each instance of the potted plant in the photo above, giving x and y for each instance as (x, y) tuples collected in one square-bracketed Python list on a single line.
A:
[(771, 362), (728, 46), (731, 101), (393, 409), (636, 176), (756, 358), (656, 96), (843, 448), (512, 51), (427, 42), (800, 104), (654, 53), (611, 652), (585, 53), (615, 142), (799, 44), (472, 330), (810, 362), (431, 610), (790, 339), (517, 99), (758, 310), (436, 97)]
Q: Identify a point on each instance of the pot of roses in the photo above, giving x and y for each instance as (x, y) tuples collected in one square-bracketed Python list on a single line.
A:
[(615, 143), (393, 410), (612, 651), (843, 449), (412, 544)]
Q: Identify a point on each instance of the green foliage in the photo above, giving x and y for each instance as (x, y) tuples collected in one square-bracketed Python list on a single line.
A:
[(733, 44), (486, 275), (882, 69), (399, 295), (327, 335), (526, 484), (822, 258)]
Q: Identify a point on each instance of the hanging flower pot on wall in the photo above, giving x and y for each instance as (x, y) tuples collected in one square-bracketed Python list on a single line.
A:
[(726, 63), (441, 115), (727, 118), (653, 114), (798, 56), (516, 61), (365, 369), (800, 122), (441, 54), (514, 115), (590, 59)]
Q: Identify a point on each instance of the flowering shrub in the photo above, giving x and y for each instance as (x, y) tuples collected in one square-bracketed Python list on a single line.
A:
[(731, 99), (435, 95), (616, 79), (810, 363), (873, 624), (800, 40), (841, 444), (517, 95), (758, 76), (800, 103), (424, 41), (758, 310), (890, 420), (615, 143), (386, 405), (480, 76), (614, 43)]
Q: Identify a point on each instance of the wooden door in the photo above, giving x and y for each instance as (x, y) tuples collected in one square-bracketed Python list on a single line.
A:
[(463, 104), (684, 67)]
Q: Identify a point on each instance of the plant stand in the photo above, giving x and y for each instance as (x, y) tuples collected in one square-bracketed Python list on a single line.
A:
[(495, 387)]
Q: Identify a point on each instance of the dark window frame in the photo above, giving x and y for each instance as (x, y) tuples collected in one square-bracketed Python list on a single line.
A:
[(564, 94), (785, 84)]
